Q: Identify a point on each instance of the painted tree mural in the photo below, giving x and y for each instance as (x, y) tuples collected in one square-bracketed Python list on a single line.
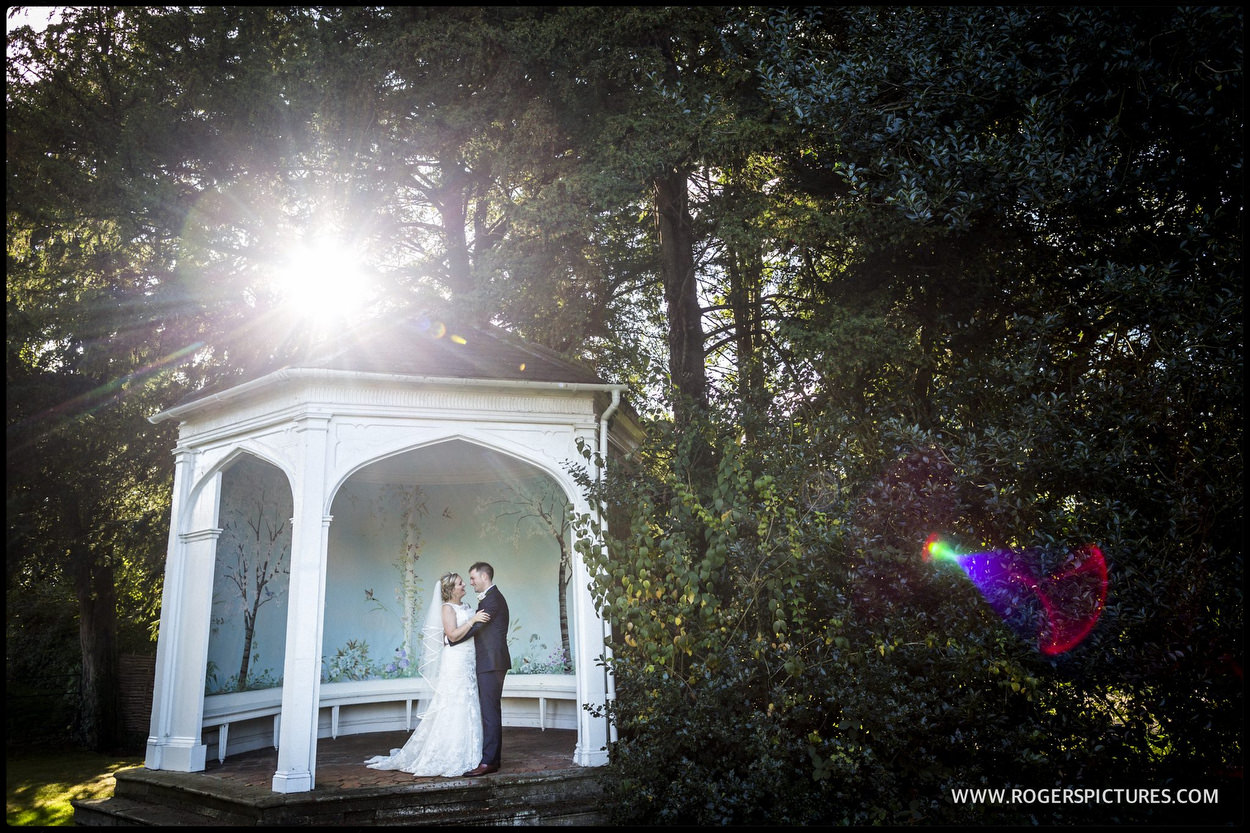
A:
[(408, 592), (255, 544), (542, 509)]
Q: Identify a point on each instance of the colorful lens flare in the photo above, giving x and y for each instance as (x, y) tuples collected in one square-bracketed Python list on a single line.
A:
[(1058, 606)]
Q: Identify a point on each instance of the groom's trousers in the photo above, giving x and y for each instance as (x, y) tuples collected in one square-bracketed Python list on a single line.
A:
[(490, 692)]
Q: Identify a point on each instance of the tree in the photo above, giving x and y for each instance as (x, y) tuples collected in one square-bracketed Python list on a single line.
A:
[(637, 69), (1059, 248), (74, 356), (995, 279), (542, 509), (104, 325)]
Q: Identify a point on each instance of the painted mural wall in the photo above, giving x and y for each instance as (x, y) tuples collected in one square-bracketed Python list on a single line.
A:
[(388, 544), (247, 636)]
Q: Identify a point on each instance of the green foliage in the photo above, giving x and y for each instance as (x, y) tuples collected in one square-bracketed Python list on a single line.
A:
[(702, 651), (752, 687), (1057, 364), (40, 668), (823, 673)]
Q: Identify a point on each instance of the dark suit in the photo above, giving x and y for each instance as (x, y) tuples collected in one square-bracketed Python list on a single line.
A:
[(493, 661)]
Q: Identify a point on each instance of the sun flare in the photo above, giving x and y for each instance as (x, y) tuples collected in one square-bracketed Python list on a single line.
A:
[(323, 284)]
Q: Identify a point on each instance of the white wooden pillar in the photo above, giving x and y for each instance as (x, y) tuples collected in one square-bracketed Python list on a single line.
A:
[(301, 677), (174, 739), (592, 732)]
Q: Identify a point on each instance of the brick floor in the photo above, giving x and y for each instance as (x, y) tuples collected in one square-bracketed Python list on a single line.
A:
[(340, 761)]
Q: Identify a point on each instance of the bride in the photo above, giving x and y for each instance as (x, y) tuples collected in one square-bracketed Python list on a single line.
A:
[(448, 741)]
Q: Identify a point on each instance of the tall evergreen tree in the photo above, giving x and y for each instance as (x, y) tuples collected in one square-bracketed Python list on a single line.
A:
[(113, 139)]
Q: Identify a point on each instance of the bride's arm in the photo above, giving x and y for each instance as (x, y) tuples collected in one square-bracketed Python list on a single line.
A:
[(449, 622)]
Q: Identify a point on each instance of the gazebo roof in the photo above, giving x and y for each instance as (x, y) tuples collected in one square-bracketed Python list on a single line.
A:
[(427, 347), (430, 347)]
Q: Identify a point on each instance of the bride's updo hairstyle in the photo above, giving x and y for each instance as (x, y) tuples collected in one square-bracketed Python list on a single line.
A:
[(447, 585)]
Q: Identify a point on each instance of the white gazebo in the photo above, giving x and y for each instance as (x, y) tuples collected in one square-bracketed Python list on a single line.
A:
[(435, 446)]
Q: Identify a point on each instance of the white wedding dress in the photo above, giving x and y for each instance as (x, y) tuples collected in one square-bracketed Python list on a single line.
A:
[(448, 741)]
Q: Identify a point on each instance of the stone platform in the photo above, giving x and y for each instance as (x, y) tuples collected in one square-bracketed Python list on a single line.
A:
[(537, 785)]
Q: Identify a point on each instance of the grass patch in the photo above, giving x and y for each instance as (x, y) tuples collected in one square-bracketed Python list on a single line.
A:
[(39, 785)]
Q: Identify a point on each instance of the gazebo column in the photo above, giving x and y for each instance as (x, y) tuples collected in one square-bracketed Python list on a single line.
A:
[(174, 740), (301, 678), (592, 732)]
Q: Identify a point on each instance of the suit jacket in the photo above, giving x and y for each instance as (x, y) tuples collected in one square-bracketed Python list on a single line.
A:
[(491, 643)]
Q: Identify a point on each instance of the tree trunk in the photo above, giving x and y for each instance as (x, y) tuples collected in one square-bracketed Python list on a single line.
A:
[(99, 716), (249, 630), (746, 270), (685, 314), (687, 358), (453, 199), (563, 580)]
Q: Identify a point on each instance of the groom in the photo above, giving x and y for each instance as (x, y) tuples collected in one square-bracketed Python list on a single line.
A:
[(493, 662)]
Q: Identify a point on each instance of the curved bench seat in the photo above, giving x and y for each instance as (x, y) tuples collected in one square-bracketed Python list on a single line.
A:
[(221, 710)]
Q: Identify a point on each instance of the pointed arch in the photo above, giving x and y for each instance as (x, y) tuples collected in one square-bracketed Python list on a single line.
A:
[(194, 509)]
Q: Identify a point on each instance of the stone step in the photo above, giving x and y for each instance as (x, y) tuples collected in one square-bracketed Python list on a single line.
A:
[(147, 798), (124, 812)]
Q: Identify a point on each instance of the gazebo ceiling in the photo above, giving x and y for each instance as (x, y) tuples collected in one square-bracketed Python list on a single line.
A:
[(454, 461)]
